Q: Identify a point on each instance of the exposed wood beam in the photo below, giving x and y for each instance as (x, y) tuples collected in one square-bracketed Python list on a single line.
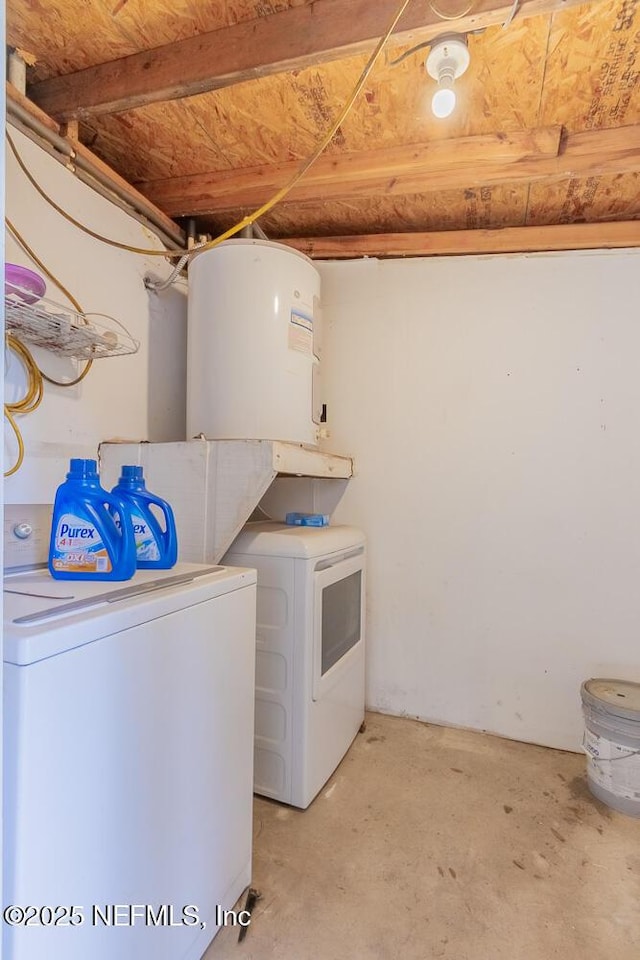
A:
[(570, 236), (291, 39), (521, 156), (347, 175)]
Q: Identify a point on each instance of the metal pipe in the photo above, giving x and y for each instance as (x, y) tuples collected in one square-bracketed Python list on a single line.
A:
[(191, 232), (253, 231), (42, 142), (91, 182), (32, 125), (16, 71), (36, 130), (258, 231)]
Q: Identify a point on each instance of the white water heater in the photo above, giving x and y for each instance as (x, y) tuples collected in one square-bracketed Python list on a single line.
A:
[(254, 344)]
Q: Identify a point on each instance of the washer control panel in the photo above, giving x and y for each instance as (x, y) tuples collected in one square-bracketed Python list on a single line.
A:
[(27, 528)]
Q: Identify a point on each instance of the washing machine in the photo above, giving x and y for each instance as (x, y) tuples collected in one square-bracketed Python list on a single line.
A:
[(128, 761), (310, 652)]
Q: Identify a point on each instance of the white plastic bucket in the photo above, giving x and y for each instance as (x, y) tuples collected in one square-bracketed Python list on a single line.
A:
[(611, 711)]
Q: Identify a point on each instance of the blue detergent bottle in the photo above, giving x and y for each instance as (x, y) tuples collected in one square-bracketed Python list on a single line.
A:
[(85, 543), (156, 547)]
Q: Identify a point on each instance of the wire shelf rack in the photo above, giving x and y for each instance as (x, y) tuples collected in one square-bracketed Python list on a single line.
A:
[(90, 336)]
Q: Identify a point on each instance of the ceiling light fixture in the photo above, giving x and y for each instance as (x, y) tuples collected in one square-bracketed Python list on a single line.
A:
[(448, 60)]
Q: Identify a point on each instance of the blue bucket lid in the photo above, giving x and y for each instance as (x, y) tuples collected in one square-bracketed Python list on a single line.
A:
[(621, 698)]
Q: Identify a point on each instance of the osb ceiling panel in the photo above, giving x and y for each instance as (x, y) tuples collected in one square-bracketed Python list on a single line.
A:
[(446, 210), (67, 35), (593, 67), (283, 117), (579, 67), (590, 199)]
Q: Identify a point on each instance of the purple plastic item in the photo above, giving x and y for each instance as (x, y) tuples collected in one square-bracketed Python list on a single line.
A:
[(23, 283)]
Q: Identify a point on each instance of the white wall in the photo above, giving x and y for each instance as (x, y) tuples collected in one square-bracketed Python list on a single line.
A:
[(2, 254), (137, 397), (493, 409)]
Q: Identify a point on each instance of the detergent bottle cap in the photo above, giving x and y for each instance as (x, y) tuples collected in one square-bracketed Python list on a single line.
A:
[(131, 472), (80, 469)]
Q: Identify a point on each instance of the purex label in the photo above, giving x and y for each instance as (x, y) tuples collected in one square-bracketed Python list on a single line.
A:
[(78, 547), (146, 545)]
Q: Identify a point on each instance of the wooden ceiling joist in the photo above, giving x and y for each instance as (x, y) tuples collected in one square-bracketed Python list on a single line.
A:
[(523, 156), (291, 39), (557, 237), (337, 176)]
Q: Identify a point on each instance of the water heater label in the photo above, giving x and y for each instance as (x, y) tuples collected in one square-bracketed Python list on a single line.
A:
[(301, 332)]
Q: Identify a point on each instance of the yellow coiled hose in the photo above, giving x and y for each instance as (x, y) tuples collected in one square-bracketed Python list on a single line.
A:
[(29, 402)]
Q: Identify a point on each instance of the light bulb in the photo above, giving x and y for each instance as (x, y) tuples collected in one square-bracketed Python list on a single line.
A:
[(443, 102)]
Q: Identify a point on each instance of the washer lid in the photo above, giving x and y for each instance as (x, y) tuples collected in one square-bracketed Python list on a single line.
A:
[(272, 539), (619, 697), (44, 617)]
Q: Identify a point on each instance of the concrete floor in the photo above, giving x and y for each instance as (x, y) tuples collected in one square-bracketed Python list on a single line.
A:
[(429, 842)]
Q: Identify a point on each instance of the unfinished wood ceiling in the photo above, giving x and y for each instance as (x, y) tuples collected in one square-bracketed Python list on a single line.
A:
[(209, 107)]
